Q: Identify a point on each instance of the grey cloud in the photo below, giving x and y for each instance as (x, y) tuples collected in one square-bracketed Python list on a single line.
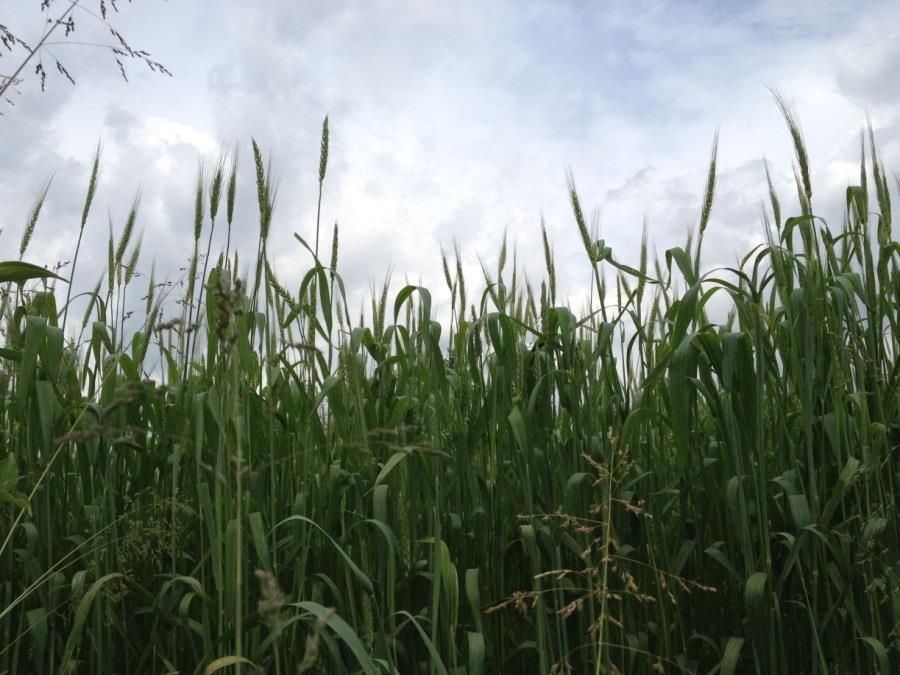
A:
[(455, 122)]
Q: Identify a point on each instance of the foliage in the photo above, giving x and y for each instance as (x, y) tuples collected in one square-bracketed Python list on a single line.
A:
[(266, 485)]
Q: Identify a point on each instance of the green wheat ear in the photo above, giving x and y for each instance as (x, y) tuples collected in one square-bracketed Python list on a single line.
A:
[(323, 154), (799, 146), (33, 215), (128, 230), (215, 187), (773, 197), (92, 301), (708, 197), (579, 215), (448, 279), (232, 187), (548, 260), (198, 204), (263, 188), (460, 276), (882, 191), (151, 287), (709, 193), (92, 185), (110, 260), (334, 249), (131, 265)]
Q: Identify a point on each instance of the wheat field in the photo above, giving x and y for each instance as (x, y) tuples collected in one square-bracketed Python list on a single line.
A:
[(255, 481)]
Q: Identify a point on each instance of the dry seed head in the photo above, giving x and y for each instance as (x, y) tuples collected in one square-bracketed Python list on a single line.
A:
[(272, 600), (312, 641), (310, 653)]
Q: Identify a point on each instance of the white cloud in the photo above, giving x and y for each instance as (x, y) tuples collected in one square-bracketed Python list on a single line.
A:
[(459, 122)]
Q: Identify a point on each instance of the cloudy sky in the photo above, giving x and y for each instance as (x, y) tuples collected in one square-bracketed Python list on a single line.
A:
[(449, 121)]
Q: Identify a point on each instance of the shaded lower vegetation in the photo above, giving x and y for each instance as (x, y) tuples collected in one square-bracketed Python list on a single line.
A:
[(266, 485)]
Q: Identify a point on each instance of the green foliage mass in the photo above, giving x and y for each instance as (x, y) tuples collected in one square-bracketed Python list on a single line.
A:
[(266, 485)]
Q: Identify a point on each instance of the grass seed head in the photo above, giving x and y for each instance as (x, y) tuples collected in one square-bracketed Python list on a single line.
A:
[(799, 145), (323, 155), (92, 186), (33, 215), (198, 205), (215, 188), (334, 250), (232, 188)]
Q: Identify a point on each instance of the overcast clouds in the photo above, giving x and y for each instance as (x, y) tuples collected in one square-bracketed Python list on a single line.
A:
[(450, 120)]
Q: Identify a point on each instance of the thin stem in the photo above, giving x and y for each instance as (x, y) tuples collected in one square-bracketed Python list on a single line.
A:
[(9, 80)]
